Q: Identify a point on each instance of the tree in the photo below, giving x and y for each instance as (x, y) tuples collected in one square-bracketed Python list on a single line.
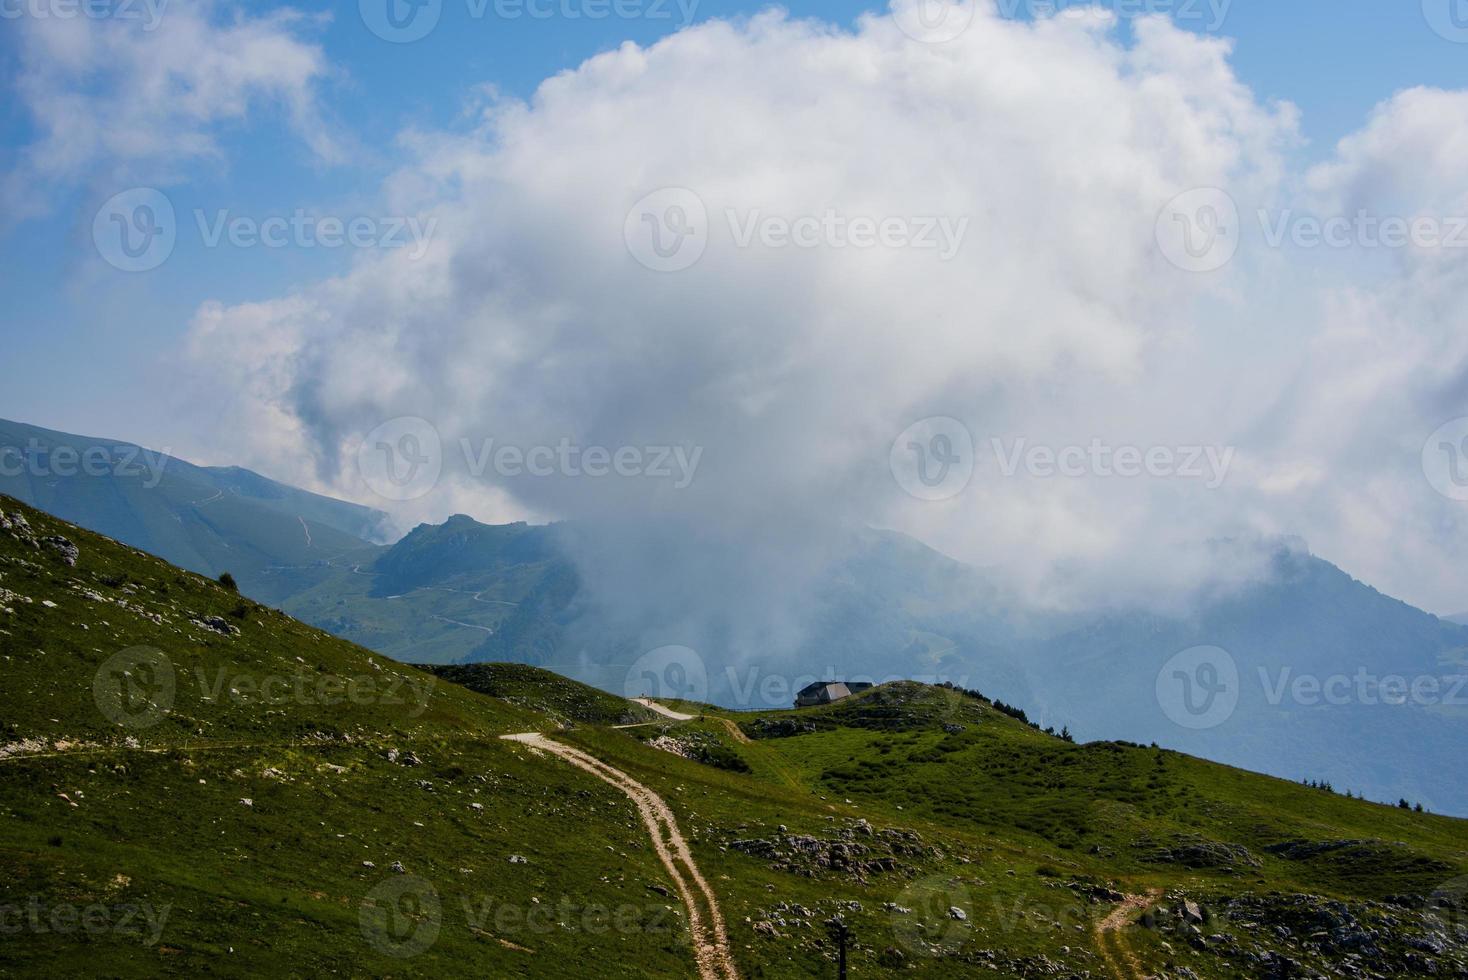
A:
[(227, 580)]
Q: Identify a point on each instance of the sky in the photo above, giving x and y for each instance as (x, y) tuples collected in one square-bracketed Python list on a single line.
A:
[(1050, 297)]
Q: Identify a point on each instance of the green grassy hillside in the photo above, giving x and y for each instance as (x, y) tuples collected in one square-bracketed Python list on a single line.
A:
[(192, 783)]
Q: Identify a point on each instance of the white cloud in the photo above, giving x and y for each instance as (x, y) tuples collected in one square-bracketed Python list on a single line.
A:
[(1058, 320), (133, 99)]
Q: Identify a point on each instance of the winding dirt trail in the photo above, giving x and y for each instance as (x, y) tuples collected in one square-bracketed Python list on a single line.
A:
[(1121, 962), (705, 918), (652, 705)]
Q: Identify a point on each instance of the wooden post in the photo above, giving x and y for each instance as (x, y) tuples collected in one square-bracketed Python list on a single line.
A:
[(842, 934)]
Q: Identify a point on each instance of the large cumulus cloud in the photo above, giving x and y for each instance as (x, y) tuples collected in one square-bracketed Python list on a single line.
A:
[(1058, 321)]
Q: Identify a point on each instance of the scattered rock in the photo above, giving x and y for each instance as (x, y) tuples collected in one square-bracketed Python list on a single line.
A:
[(69, 552)]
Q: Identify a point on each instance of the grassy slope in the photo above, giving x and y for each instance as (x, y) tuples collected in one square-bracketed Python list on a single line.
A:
[(1014, 826), (278, 886), (1012, 817)]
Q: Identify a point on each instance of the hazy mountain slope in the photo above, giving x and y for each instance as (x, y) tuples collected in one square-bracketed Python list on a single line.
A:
[(241, 794), (893, 607), (204, 519), (1300, 641)]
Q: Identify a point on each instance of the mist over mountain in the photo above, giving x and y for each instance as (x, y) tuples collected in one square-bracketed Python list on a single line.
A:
[(1313, 659), (1308, 654)]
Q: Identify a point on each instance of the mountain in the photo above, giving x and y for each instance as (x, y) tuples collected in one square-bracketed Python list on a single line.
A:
[(1460, 618), (206, 519), (1309, 647), (1306, 648), (194, 784)]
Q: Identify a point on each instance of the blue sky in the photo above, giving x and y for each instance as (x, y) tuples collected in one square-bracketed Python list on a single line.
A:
[(1321, 371), (1335, 60)]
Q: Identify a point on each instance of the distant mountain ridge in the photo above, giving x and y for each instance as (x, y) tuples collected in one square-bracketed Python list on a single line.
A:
[(205, 519)]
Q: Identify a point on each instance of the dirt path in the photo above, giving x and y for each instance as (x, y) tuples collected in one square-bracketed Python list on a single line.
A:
[(705, 918), (652, 705), (1121, 962), (736, 732)]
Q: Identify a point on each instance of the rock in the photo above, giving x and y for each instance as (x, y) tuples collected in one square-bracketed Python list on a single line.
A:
[(368, 864), (216, 623), (518, 859), (1193, 851), (476, 806), (957, 914), (247, 801), (1191, 911), (397, 868), (69, 552)]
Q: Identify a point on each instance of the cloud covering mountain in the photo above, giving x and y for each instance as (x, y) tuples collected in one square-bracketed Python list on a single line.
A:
[(1058, 322)]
